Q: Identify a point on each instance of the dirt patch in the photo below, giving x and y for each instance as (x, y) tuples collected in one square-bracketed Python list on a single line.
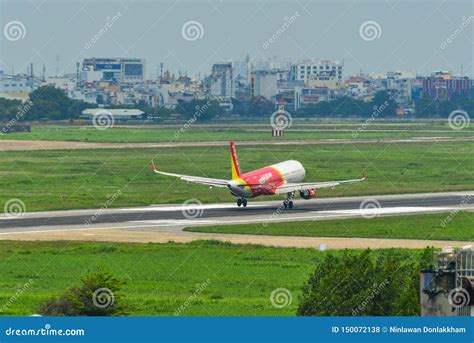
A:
[(26, 145), (114, 235)]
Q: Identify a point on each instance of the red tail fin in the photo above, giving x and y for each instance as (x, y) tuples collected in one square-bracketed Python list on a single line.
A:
[(234, 161)]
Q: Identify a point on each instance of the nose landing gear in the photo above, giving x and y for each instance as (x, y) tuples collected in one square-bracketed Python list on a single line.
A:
[(242, 202)]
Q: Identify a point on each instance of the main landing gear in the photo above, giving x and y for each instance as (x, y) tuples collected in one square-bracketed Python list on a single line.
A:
[(242, 202), (288, 202)]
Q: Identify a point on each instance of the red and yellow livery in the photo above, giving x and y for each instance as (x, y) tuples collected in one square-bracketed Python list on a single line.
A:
[(281, 178)]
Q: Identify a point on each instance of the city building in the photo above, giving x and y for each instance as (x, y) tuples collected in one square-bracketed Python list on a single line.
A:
[(399, 83), (120, 70), (358, 87), (317, 70), (264, 83), (271, 64), (305, 96), (241, 71), (220, 82), (19, 83), (67, 83), (443, 86)]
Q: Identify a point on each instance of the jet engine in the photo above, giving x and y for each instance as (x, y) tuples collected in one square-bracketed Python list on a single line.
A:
[(307, 194)]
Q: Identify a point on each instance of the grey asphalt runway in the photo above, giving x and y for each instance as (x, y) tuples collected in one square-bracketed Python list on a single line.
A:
[(228, 213), (165, 223)]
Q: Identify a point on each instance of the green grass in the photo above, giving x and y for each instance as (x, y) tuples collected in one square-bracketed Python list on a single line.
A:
[(436, 226), (160, 277), (224, 132), (68, 179)]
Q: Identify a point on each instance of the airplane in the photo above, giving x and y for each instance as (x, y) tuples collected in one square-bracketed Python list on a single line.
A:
[(281, 178)]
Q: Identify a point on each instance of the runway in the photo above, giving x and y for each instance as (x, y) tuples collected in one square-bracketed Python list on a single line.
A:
[(163, 223)]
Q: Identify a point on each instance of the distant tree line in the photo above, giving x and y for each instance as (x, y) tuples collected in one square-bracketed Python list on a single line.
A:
[(382, 105), (429, 108), (50, 103)]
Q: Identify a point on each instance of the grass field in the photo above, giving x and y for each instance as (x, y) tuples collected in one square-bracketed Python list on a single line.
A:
[(87, 178), (160, 277), (439, 226), (224, 132)]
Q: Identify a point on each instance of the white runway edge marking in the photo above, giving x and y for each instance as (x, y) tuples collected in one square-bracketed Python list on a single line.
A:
[(391, 210), (286, 218)]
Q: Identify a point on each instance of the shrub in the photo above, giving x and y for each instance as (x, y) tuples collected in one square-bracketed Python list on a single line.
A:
[(98, 294), (383, 283)]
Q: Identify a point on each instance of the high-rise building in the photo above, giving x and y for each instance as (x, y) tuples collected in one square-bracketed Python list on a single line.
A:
[(264, 83), (220, 82), (241, 72), (317, 70), (120, 70)]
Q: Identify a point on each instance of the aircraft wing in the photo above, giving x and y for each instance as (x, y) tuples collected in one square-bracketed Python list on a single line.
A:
[(195, 179), (296, 187)]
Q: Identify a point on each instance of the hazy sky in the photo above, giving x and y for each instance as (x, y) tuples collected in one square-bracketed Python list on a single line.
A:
[(409, 35)]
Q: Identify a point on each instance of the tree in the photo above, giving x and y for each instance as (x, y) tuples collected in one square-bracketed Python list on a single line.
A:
[(9, 109), (98, 294), (379, 283), (383, 104), (200, 110), (52, 103), (437, 108), (261, 107)]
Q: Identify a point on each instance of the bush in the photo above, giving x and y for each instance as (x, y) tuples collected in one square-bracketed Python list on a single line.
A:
[(383, 283), (98, 294)]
